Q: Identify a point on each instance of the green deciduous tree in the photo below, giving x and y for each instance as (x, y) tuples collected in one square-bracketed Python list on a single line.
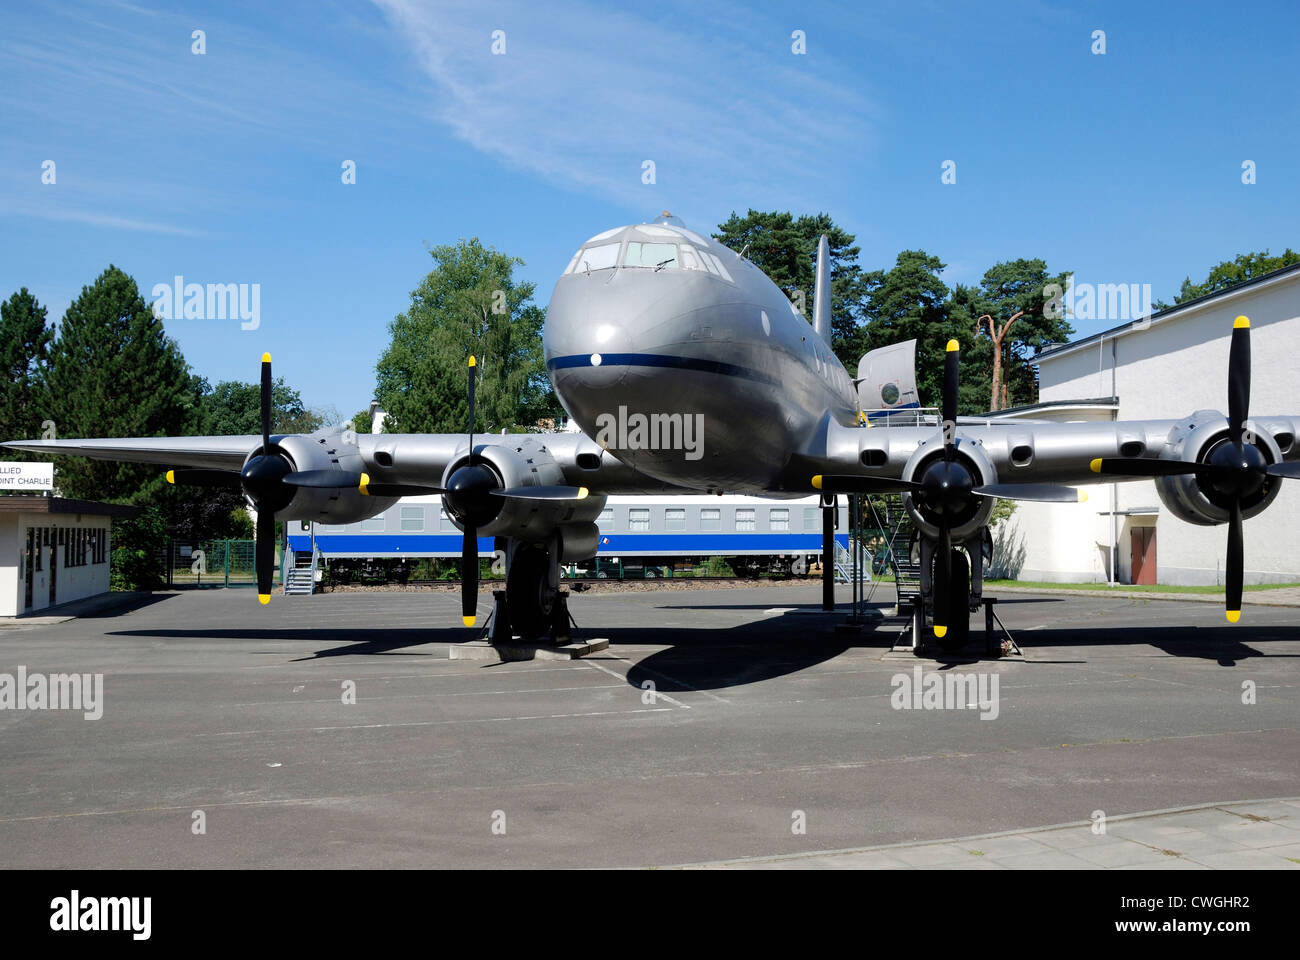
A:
[(233, 408), (469, 304), (24, 351)]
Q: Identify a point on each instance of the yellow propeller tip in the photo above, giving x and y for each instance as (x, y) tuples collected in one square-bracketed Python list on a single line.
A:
[(468, 621), (817, 482), (1233, 615), (582, 493), (1095, 466), (472, 361), (263, 598), (953, 346), (940, 632), (1241, 323), (1083, 496), (364, 485), (266, 358), (171, 476)]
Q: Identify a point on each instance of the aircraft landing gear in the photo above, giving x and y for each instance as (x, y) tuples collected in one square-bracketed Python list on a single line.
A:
[(531, 590), (958, 605)]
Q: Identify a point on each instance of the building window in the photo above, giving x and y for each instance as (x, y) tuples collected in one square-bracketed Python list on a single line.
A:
[(810, 521), (778, 519), (745, 521), (674, 518), (638, 520), (710, 518), (412, 519)]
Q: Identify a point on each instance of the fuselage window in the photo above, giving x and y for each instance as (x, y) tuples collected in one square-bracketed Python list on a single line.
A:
[(602, 257), (655, 256), (710, 518), (721, 269)]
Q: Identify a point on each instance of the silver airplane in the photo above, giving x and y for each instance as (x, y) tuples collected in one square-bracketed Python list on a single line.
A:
[(687, 370)]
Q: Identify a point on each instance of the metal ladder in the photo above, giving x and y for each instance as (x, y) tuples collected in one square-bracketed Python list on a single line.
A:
[(300, 579)]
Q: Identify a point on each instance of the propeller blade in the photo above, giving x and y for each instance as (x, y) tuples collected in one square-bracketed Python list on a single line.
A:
[(1291, 469), (266, 402), (1147, 467), (204, 478), (1041, 492), (473, 371), (544, 493), (848, 483), (323, 479), (1233, 572), (469, 576), (951, 375), (1239, 379), (265, 557), (942, 576), (345, 479)]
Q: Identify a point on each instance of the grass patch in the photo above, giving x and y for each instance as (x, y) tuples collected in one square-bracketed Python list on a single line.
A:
[(1129, 587)]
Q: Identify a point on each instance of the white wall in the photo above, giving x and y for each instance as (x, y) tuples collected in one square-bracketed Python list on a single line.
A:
[(72, 583), (1171, 369)]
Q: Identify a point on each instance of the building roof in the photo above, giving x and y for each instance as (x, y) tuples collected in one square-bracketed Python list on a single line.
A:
[(65, 505), (1282, 275)]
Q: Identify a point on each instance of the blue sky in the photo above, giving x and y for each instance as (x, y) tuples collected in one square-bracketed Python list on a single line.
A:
[(226, 167)]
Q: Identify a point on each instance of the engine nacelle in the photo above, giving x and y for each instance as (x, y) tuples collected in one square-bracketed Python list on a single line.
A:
[(972, 456), (325, 451), (528, 463), (1188, 497)]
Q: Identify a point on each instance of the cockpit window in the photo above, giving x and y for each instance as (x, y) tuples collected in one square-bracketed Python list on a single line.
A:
[(721, 269), (661, 256), (690, 260), (601, 257)]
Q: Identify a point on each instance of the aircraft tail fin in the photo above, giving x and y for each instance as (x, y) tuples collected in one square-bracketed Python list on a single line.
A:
[(822, 291)]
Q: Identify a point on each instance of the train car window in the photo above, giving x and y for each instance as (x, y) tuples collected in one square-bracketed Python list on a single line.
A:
[(778, 518), (606, 518), (745, 520), (373, 525), (810, 519), (444, 521), (674, 518), (413, 519), (710, 518), (638, 519)]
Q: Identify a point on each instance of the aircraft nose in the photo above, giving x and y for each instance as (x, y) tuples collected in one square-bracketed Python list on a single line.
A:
[(579, 334)]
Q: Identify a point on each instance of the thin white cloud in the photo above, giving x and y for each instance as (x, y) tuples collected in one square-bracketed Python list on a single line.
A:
[(585, 94), (99, 220)]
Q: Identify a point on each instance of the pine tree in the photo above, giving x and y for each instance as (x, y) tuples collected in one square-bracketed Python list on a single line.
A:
[(24, 352), (113, 372)]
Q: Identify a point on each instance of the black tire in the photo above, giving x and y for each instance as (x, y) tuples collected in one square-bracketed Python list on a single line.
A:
[(958, 634), (528, 593)]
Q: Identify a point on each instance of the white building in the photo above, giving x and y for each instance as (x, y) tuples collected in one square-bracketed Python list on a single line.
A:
[(1165, 366), (54, 551)]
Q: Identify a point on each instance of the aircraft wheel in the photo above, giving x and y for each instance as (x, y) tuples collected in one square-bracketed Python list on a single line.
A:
[(958, 605), (528, 593)]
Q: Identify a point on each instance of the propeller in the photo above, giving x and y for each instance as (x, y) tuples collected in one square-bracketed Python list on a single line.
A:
[(1235, 470), (947, 487)]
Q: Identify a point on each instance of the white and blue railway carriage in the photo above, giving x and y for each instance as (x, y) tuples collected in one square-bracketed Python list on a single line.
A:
[(643, 526)]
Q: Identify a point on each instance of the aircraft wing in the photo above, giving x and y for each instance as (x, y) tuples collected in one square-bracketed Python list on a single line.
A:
[(223, 453)]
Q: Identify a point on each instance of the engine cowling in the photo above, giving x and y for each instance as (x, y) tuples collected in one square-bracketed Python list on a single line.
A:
[(528, 464), (330, 451), (973, 515), (1192, 498)]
